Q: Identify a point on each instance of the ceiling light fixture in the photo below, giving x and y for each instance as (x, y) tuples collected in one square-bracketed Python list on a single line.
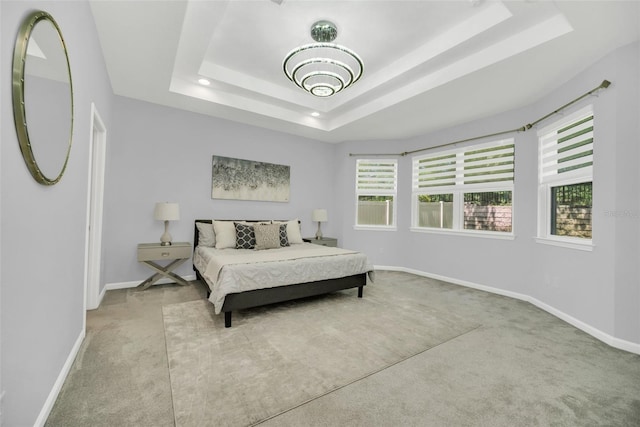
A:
[(315, 114), (204, 82), (323, 68)]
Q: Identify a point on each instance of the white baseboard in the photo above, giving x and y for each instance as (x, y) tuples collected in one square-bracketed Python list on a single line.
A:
[(133, 284), (57, 386), (595, 332), (101, 296)]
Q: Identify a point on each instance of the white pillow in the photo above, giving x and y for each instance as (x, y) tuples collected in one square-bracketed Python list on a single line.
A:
[(293, 231), (206, 236), (225, 234)]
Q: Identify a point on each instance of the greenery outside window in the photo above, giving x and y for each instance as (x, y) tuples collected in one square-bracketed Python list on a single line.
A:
[(468, 189), (565, 179), (376, 188)]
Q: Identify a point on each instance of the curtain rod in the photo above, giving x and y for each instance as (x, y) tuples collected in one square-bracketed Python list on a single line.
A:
[(605, 84)]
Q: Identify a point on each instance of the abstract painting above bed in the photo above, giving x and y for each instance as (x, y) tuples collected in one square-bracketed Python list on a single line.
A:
[(240, 179)]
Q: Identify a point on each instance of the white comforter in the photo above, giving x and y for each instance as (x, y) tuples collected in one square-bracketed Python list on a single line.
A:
[(228, 271)]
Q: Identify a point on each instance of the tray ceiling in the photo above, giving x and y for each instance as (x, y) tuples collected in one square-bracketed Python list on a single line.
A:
[(428, 64)]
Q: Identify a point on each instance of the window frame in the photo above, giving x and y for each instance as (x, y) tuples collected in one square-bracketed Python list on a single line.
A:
[(364, 192), (546, 185), (459, 189)]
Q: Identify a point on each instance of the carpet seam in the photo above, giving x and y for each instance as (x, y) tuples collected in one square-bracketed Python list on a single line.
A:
[(166, 350), (363, 377)]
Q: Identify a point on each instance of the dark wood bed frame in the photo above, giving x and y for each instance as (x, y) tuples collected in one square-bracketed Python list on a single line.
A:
[(260, 297)]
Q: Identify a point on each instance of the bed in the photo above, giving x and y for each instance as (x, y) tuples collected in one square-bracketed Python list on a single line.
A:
[(241, 277)]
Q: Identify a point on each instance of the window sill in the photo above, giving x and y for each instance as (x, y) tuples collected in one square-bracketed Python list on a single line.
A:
[(587, 245), (482, 234), (375, 227)]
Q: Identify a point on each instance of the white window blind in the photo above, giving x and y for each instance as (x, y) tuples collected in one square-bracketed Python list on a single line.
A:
[(376, 177), (565, 180), (434, 171), (566, 150), (479, 165)]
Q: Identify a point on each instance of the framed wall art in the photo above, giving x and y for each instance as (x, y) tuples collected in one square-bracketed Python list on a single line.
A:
[(239, 179)]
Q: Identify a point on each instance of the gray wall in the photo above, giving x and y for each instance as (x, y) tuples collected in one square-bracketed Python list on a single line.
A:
[(626, 218), (599, 288), (163, 154), (43, 228)]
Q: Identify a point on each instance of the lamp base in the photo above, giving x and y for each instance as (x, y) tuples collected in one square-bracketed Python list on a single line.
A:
[(319, 232), (165, 239)]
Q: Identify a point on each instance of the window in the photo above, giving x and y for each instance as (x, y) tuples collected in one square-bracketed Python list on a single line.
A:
[(466, 189), (565, 176), (376, 186)]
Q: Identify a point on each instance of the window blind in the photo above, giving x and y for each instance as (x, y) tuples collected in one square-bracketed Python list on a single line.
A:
[(566, 151), (482, 164), (376, 176)]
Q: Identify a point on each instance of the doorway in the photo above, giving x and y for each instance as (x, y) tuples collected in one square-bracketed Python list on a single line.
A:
[(97, 157)]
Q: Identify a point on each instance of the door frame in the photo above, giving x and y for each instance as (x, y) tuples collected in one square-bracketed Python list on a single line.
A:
[(95, 199)]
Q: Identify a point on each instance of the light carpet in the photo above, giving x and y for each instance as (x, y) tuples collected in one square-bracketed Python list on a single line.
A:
[(279, 357)]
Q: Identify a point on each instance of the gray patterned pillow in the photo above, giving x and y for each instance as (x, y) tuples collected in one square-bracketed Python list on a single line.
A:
[(245, 236), (284, 239), (267, 236)]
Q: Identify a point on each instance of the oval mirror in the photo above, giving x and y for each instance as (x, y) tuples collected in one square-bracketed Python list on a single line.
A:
[(42, 97)]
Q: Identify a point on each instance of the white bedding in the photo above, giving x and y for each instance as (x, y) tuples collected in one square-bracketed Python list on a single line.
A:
[(228, 271)]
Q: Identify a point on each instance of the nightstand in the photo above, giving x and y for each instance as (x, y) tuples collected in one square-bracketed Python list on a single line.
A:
[(325, 241), (177, 253)]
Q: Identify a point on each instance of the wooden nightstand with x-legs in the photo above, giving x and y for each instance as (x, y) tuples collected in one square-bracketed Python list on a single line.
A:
[(177, 253)]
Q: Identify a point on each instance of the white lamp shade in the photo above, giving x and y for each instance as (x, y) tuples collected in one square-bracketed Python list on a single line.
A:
[(165, 211), (319, 215)]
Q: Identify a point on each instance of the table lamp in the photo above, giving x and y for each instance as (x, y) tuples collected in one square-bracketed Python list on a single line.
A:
[(165, 211), (319, 215)]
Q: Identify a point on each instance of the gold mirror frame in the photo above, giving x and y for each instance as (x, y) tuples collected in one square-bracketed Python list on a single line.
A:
[(19, 110)]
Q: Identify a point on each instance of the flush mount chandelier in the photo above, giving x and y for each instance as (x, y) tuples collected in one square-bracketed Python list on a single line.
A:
[(323, 68)]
